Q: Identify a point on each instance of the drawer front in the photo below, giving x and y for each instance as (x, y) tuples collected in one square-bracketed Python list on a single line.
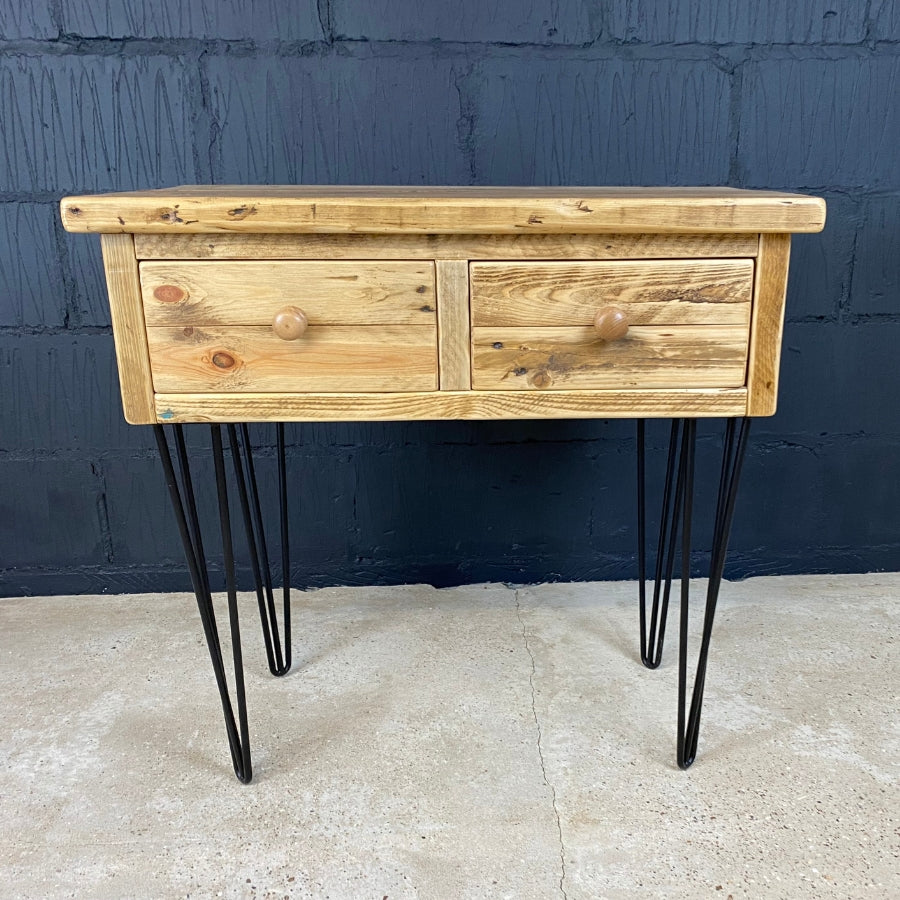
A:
[(252, 293), (331, 358), (533, 324), (365, 326), (655, 292)]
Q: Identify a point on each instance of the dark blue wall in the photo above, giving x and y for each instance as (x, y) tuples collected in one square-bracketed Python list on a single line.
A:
[(115, 96)]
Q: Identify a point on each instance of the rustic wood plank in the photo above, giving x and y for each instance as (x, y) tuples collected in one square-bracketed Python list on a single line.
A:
[(687, 356), (665, 292), (130, 333), (251, 293), (453, 325), (326, 358), (444, 246), (459, 210), (767, 323), (313, 407)]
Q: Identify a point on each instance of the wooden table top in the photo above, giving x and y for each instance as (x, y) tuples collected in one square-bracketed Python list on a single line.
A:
[(442, 210)]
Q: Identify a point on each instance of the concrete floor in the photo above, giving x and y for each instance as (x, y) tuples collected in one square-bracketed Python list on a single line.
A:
[(475, 742)]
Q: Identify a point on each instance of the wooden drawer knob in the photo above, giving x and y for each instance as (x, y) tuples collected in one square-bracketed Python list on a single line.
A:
[(290, 323), (611, 323)]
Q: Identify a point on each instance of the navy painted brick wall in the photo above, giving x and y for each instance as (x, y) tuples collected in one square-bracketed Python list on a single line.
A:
[(101, 95)]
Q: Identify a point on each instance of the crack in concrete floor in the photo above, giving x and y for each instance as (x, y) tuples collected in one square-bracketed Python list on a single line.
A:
[(540, 749)]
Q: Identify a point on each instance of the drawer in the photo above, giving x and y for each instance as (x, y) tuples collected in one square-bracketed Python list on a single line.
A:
[(351, 326), (326, 358), (688, 324), (252, 293)]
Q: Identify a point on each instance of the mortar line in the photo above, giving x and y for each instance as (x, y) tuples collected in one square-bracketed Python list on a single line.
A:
[(540, 749)]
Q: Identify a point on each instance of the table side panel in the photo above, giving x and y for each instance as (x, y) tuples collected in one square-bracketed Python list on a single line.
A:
[(129, 329), (767, 325)]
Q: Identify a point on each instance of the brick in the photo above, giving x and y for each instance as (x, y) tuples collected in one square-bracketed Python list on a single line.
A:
[(61, 392), (221, 19), (885, 18), (26, 20), (336, 120), (141, 522), (31, 277), (507, 22), (84, 271), (481, 506), (876, 274), (600, 121), (831, 381), (793, 506), (825, 123), (87, 123), (819, 277), (711, 21), (51, 510), (322, 488)]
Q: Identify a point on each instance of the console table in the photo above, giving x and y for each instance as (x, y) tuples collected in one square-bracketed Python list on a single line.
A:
[(240, 304)]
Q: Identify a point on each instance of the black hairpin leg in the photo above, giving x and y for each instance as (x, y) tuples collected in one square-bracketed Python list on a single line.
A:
[(245, 475), (677, 513), (185, 508)]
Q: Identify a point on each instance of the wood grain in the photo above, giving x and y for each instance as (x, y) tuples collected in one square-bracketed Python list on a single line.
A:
[(767, 323), (453, 325), (326, 358), (650, 293), (252, 293), (576, 358), (313, 407), (129, 330), (444, 246), (372, 210)]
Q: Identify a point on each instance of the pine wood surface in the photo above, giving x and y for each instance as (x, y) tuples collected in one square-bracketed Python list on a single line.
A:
[(364, 302), (252, 293), (318, 407), (127, 315), (389, 210), (453, 325), (648, 245), (767, 323), (326, 358), (688, 356), (666, 292)]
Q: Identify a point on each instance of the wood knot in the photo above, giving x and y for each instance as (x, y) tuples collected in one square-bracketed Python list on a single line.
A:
[(170, 293), (222, 360), (541, 379)]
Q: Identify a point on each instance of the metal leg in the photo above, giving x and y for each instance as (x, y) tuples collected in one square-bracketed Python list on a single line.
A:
[(189, 529), (677, 514), (181, 493), (652, 643), (245, 476)]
